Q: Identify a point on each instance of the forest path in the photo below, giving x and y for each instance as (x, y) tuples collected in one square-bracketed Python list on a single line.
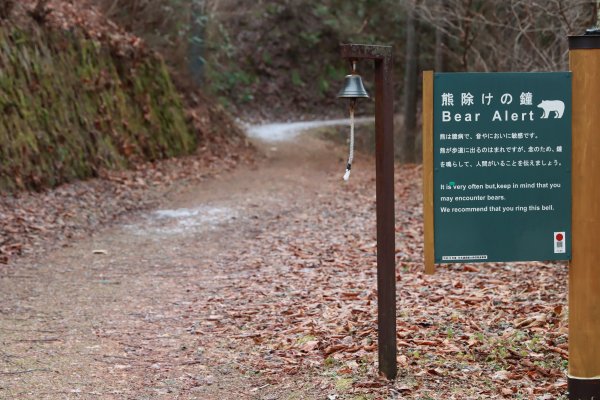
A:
[(261, 284), (122, 314)]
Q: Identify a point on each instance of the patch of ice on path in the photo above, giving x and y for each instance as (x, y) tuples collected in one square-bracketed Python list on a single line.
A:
[(182, 220), (279, 132)]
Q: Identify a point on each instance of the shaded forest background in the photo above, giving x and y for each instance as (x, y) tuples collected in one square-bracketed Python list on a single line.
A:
[(281, 57), (262, 60)]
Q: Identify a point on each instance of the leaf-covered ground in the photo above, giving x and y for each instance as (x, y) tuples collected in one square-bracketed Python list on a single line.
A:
[(34, 221), (261, 284)]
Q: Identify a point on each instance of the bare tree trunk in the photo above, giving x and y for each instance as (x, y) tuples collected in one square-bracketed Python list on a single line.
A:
[(6, 7), (441, 42), (408, 138), (197, 46), (40, 11)]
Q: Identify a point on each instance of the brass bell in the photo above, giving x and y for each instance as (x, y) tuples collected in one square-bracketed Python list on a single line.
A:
[(353, 88)]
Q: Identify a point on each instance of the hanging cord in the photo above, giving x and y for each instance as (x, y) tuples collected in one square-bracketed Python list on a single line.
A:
[(351, 152)]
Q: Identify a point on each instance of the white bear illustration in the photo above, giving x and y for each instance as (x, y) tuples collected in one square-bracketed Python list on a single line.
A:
[(552, 105)]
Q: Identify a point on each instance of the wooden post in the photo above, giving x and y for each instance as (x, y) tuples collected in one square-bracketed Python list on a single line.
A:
[(428, 245), (384, 160), (584, 270)]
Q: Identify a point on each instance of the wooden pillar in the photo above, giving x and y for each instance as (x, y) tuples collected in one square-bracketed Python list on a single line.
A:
[(384, 163), (584, 269), (386, 220), (428, 245)]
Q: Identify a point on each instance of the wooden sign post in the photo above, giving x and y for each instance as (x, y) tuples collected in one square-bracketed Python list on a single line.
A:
[(584, 270), (428, 171)]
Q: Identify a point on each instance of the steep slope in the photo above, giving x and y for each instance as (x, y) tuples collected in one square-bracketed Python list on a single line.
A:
[(71, 108), (80, 94)]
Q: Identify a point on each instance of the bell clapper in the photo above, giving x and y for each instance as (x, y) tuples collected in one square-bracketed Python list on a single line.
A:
[(351, 151)]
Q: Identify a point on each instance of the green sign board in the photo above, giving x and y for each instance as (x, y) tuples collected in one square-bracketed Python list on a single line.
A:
[(502, 166)]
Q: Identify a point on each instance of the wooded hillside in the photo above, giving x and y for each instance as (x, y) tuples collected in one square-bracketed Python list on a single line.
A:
[(81, 94)]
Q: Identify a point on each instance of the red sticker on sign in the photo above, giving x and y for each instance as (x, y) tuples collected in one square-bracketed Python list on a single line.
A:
[(560, 242)]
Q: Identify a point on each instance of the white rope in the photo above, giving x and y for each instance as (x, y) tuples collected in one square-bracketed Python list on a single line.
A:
[(351, 153)]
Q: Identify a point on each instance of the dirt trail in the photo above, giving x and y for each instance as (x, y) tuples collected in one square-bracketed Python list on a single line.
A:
[(261, 284), (112, 316)]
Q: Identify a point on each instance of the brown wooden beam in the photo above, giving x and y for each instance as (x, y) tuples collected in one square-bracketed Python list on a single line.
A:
[(428, 245), (363, 51), (584, 271), (386, 233)]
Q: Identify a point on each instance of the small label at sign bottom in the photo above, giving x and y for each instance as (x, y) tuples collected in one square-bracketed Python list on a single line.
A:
[(560, 240), (464, 258)]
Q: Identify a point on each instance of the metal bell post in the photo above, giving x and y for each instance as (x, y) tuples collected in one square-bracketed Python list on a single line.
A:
[(382, 58)]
